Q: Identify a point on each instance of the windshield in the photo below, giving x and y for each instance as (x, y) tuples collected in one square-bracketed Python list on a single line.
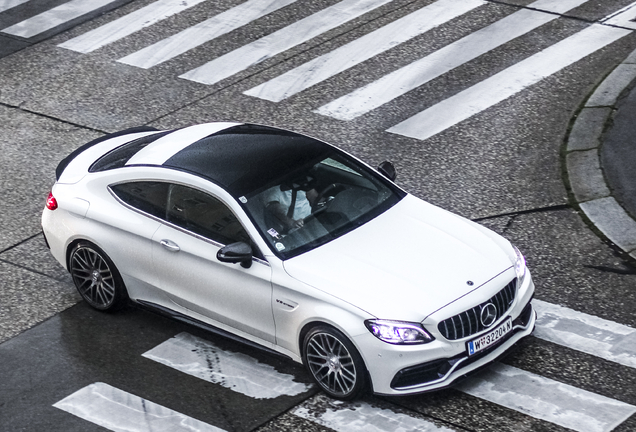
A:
[(317, 203)]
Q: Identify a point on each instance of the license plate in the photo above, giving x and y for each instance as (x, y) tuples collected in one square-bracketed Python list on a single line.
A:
[(490, 338)]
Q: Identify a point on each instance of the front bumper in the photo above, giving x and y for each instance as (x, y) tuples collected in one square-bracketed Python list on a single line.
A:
[(443, 371), (403, 370)]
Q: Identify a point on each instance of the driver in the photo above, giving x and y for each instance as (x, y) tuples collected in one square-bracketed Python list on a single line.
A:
[(290, 204)]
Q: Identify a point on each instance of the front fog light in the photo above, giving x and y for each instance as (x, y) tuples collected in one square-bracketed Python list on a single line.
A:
[(398, 332)]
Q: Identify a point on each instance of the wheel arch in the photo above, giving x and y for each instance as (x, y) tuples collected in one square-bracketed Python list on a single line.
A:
[(307, 327), (69, 250), (73, 244)]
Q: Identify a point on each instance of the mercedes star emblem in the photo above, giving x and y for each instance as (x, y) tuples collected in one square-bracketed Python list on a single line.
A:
[(488, 314)]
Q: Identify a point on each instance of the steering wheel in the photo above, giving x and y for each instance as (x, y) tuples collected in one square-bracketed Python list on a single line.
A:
[(330, 190)]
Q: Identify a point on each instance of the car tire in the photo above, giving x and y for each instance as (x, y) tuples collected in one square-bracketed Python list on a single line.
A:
[(96, 278), (334, 363)]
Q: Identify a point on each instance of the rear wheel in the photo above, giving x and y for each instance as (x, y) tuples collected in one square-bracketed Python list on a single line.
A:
[(96, 278), (334, 362)]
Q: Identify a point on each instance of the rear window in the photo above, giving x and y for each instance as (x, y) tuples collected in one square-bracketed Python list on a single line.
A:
[(64, 162), (118, 157)]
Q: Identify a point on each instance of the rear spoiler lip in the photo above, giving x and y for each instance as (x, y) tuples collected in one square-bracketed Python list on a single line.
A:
[(64, 162)]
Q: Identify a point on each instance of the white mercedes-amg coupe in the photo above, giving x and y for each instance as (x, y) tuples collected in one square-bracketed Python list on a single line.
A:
[(281, 240)]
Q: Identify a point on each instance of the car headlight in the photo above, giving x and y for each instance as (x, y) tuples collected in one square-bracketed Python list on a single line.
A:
[(398, 332), (520, 266)]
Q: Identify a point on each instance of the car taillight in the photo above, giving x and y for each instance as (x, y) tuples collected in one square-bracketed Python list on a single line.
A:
[(51, 202)]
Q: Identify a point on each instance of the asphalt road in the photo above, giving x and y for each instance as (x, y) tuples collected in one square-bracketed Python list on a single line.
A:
[(489, 147)]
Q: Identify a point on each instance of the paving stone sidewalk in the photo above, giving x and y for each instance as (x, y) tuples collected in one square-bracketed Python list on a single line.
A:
[(586, 172)]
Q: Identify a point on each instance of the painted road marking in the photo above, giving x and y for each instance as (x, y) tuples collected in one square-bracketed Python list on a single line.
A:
[(9, 4), (54, 17), (119, 411), (236, 371), (418, 73), (625, 17), (586, 333), (127, 25), (203, 32), (507, 83), (281, 40), (360, 416), (548, 400), (361, 49), (522, 391)]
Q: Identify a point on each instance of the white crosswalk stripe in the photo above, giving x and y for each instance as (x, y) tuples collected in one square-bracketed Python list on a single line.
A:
[(54, 17), (203, 32), (418, 73), (354, 53), (589, 334), (10, 4), (238, 372), (281, 40), (625, 17), (548, 400), (119, 411), (507, 83), (127, 25), (423, 125)]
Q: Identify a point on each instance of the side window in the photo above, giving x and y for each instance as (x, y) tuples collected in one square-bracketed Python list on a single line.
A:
[(203, 214), (149, 197)]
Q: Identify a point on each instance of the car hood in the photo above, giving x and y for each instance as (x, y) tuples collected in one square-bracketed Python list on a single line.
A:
[(407, 263)]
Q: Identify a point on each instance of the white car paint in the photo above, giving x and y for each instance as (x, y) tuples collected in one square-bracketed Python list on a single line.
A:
[(410, 261), (165, 147), (414, 262)]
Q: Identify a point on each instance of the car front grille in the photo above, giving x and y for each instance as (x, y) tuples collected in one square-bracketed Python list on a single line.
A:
[(469, 323)]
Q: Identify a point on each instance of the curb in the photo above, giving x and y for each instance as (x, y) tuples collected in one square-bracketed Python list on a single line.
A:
[(583, 165)]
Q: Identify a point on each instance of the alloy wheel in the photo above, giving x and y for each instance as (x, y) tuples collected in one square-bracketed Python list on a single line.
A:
[(331, 364), (93, 277)]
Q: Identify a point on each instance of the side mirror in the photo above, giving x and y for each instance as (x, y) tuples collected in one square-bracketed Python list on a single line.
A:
[(387, 169), (236, 253)]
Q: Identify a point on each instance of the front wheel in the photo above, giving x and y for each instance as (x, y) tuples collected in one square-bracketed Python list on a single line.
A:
[(334, 362), (96, 278)]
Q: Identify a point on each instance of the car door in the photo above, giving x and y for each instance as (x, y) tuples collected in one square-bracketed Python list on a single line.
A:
[(184, 257)]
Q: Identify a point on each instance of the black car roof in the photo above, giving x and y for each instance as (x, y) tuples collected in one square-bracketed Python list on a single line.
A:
[(245, 158)]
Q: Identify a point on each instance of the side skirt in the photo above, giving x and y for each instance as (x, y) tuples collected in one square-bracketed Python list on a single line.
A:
[(169, 313)]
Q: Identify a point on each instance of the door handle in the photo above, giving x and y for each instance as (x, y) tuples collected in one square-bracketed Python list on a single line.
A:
[(170, 245)]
